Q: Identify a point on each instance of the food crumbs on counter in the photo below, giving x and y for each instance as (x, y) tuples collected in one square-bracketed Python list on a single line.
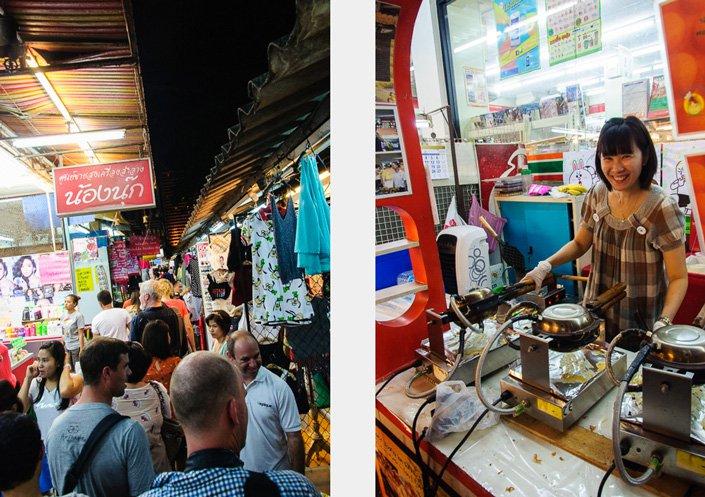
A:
[(592, 427), (559, 457), (537, 459), (500, 471), (553, 454), (509, 489)]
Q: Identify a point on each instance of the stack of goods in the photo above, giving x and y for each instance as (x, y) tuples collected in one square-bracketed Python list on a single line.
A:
[(512, 185)]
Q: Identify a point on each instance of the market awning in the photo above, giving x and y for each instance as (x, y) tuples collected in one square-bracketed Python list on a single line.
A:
[(87, 53), (289, 104)]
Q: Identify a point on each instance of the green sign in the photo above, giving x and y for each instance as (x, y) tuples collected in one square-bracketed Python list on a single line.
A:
[(18, 343)]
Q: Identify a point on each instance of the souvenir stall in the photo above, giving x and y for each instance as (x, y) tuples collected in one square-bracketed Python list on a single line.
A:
[(502, 388)]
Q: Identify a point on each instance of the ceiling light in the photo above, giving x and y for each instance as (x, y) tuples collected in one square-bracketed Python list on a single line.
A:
[(62, 139), (631, 26)]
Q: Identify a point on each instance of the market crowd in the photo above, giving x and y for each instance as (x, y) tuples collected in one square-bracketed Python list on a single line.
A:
[(136, 410)]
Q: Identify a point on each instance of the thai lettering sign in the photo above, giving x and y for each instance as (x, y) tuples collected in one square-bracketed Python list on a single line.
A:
[(122, 186)]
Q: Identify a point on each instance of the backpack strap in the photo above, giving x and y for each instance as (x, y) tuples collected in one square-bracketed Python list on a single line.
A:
[(259, 484), (162, 403), (78, 467)]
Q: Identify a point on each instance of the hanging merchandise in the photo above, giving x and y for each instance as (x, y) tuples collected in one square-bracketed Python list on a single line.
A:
[(217, 288), (313, 223), (311, 341), (453, 217), (195, 277), (218, 250), (274, 302), (238, 252), (285, 238)]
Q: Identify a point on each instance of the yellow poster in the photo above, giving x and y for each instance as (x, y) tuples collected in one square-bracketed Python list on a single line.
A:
[(84, 279)]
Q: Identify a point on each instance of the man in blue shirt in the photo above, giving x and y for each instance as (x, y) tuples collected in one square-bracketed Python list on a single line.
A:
[(209, 399)]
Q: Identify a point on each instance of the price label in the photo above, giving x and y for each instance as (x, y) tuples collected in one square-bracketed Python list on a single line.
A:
[(18, 343), (690, 462), (550, 409)]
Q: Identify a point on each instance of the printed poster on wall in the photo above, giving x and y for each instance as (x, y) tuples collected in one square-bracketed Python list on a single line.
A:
[(658, 102), (518, 43), (84, 279), (493, 162), (673, 174), (574, 29), (635, 98), (696, 171), (475, 87), (386, 131), (579, 168), (682, 24), (55, 268), (386, 18)]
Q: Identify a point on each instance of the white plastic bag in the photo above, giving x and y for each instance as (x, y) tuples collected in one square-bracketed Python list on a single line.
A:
[(452, 217), (457, 408)]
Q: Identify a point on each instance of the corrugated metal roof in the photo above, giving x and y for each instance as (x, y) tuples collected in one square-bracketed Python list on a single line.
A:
[(289, 101), (64, 33)]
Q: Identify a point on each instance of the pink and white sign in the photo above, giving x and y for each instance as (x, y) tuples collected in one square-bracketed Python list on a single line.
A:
[(122, 262), (123, 185), (144, 245), (54, 268)]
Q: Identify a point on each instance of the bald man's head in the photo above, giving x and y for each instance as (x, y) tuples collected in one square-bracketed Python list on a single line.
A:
[(202, 386), (244, 350)]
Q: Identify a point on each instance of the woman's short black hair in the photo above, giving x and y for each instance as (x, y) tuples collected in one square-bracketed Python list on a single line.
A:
[(155, 339), (222, 319), (620, 136), (20, 449), (8, 397), (139, 362)]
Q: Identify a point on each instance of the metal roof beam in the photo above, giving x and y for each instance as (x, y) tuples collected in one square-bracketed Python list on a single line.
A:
[(93, 64)]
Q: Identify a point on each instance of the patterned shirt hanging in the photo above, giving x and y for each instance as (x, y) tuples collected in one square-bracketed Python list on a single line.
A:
[(274, 302)]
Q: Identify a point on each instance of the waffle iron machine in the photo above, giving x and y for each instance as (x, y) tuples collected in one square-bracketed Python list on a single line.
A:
[(561, 373), (659, 422), (469, 312)]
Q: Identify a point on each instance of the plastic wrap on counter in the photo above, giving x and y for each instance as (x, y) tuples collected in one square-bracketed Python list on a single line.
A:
[(457, 408), (474, 341), (570, 372), (633, 407)]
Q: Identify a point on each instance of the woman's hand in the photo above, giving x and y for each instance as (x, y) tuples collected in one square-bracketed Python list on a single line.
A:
[(33, 370)]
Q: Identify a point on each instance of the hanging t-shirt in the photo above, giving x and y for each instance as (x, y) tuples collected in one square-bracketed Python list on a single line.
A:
[(195, 278), (313, 223), (285, 238), (218, 290), (274, 302), (238, 252)]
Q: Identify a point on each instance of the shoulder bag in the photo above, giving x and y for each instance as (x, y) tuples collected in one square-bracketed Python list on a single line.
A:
[(172, 435)]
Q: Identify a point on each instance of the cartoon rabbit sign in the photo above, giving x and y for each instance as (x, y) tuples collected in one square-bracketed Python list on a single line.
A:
[(579, 168)]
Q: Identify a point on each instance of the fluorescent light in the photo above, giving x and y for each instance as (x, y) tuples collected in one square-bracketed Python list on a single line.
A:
[(645, 50), (574, 132), (64, 138), (470, 44), (540, 17), (631, 26), (422, 123)]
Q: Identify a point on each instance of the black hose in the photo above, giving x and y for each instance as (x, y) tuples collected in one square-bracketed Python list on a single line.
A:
[(505, 396), (604, 479), (396, 373)]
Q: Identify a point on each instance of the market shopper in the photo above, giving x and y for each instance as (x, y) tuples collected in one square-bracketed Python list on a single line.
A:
[(153, 308), (111, 321), (209, 400), (121, 463), (146, 402), (219, 323), (8, 398), (635, 231), (155, 341), (72, 323), (166, 289), (274, 440), (21, 453)]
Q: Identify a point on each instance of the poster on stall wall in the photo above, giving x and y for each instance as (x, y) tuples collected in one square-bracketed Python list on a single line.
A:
[(579, 168), (476, 87), (84, 249), (204, 268), (672, 174), (574, 29), (144, 245), (492, 162), (386, 18), (218, 248), (518, 42), (435, 159), (55, 268), (91, 274), (386, 131), (658, 103), (682, 25), (635, 98), (122, 262), (696, 172)]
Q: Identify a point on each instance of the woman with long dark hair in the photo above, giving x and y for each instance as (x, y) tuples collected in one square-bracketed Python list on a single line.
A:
[(40, 390)]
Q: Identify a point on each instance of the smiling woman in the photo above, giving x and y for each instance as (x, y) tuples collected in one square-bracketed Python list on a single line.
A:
[(634, 229)]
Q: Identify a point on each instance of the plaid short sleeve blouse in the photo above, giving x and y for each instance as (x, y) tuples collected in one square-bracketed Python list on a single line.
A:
[(631, 251)]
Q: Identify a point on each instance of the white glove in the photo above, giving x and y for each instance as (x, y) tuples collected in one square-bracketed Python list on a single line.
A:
[(660, 324), (539, 273)]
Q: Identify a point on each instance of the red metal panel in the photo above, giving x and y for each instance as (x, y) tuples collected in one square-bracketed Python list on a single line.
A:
[(397, 340)]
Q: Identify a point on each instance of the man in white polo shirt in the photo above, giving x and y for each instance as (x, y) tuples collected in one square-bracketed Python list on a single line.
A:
[(274, 440), (111, 322)]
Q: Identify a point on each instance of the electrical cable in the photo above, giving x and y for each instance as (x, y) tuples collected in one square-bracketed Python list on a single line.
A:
[(417, 446), (656, 460), (604, 479), (396, 373), (504, 397)]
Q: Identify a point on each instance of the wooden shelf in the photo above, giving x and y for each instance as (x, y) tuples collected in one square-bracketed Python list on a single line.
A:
[(397, 291), (395, 246)]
